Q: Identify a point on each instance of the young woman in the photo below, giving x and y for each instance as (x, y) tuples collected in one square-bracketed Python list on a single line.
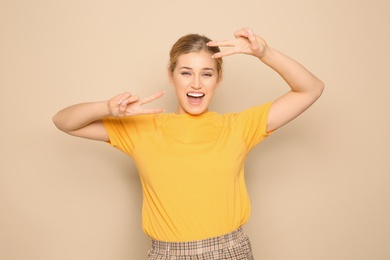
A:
[(191, 162)]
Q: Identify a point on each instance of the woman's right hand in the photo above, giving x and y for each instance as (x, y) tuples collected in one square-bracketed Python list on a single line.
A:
[(128, 105), (85, 119)]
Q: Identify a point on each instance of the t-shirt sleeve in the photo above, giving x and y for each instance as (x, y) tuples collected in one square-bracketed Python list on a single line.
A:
[(252, 124), (121, 132)]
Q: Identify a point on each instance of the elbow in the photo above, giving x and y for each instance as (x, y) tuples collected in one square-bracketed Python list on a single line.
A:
[(56, 119), (319, 88), (56, 122)]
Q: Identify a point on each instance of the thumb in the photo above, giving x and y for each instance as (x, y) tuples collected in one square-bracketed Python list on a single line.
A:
[(122, 108)]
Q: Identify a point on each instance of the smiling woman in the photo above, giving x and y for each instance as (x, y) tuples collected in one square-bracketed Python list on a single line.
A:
[(194, 73), (191, 162), (195, 78)]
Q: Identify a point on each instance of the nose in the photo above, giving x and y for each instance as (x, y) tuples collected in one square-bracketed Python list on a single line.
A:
[(196, 83)]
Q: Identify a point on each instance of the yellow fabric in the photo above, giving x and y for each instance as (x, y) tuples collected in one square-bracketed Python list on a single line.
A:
[(191, 169)]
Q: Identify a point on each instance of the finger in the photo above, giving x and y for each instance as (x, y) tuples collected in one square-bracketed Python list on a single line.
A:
[(122, 97), (241, 33), (122, 109), (128, 100), (152, 97), (224, 53), (253, 40), (221, 44)]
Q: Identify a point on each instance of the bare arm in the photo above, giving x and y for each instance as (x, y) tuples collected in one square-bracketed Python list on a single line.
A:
[(85, 119), (305, 87)]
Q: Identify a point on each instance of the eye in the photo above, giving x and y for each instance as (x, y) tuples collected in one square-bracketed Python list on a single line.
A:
[(185, 73), (208, 75)]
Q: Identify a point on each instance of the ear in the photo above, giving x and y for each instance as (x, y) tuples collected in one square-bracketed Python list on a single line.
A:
[(219, 80), (170, 76)]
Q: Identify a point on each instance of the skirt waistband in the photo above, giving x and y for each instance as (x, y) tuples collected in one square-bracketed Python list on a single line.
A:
[(199, 246)]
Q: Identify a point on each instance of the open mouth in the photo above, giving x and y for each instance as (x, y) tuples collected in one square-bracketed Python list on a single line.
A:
[(195, 95), (195, 98)]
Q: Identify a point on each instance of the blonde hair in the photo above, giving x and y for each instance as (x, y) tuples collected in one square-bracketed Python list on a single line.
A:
[(192, 43)]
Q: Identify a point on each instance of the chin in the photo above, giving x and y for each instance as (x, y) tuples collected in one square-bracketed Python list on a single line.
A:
[(196, 111)]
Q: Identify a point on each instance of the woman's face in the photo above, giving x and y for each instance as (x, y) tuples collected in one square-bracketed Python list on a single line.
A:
[(195, 79)]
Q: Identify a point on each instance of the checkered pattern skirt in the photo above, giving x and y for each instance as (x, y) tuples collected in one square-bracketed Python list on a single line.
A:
[(234, 245)]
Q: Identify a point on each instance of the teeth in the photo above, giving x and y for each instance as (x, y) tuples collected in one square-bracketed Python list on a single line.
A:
[(196, 95)]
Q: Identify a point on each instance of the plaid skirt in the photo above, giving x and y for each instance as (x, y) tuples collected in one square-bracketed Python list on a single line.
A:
[(234, 245)]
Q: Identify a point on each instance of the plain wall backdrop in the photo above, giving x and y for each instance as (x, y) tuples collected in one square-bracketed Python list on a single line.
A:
[(319, 186)]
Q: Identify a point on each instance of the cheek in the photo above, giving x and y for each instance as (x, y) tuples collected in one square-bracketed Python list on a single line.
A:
[(180, 87), (212, 82), (181, 82)]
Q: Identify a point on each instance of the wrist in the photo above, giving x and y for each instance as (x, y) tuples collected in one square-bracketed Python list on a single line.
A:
[(268, 55), (105, 109)]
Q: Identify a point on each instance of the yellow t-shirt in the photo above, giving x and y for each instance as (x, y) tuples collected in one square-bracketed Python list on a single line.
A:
[(191, 169)]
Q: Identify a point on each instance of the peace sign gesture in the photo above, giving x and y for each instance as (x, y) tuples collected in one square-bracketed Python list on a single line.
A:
[(246, 42), (127, 104)]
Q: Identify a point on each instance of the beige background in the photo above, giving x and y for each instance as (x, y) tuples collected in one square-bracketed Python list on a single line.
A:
[(319, 186)]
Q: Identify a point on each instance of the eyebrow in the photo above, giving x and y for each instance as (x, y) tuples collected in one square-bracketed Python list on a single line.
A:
[(189, 68)]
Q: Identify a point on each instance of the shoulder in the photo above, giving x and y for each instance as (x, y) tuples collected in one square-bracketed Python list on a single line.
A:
[(253, 112)]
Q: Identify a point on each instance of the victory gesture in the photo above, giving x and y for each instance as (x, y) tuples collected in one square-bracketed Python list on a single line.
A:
[(246, 42), (85, 119), (128, 105)]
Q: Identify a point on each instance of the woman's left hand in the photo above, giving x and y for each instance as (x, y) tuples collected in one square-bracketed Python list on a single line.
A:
[(246, 42)]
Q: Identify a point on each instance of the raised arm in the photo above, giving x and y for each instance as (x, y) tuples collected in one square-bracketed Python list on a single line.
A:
[(85, 119), (305, 87)]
